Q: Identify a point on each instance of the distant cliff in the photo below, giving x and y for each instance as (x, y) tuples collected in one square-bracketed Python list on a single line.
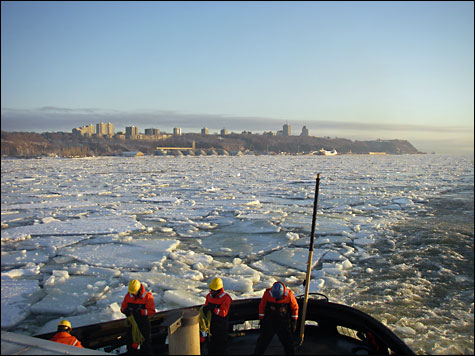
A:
[(27, 144)]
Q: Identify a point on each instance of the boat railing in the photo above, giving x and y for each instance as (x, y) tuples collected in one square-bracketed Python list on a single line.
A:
[(322, 316)]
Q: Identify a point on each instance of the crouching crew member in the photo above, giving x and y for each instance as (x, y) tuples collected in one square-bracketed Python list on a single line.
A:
[(140, 304), (218, 302), (278, 312), (63, 335)]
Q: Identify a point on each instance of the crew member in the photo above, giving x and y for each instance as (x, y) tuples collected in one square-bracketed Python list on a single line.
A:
[(278, 312), (218, 302), (140, 304), (64, 336)]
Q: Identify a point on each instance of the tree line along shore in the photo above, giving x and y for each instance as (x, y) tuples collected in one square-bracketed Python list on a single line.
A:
[(62, 144)]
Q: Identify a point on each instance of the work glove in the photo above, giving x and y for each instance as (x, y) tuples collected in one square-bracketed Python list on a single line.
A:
[(206, 309), (211, 307), (127, 312), (293, 325), (137, 313)]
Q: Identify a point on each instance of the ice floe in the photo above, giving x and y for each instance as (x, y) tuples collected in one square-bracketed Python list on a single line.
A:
[(139, 253), (16, 299), (74, 232), (99, 225)]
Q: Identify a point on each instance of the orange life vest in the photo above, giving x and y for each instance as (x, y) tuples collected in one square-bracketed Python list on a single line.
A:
[(66, 338), (144, 299), (222, 301), (288, 298)]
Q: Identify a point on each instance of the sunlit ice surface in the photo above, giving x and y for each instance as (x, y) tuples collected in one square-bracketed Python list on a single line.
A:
[(394, 237)]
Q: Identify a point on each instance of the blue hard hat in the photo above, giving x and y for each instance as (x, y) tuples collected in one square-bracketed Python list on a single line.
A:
[(277, 290)]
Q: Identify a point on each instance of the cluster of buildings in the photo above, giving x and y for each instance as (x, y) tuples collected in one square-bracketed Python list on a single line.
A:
[(132, 132)]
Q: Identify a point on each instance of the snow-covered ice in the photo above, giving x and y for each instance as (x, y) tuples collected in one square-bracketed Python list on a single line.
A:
[(87, 226), (16, 299), (75, 231)]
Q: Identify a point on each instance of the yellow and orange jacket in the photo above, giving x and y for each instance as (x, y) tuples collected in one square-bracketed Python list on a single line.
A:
[(288, 298), (66, 338), (144, 300)]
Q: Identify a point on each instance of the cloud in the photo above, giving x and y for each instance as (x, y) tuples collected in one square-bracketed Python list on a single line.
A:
[(51, 119), (361, 126)]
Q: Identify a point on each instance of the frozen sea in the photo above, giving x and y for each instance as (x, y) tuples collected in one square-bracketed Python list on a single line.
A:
[(394, 236)]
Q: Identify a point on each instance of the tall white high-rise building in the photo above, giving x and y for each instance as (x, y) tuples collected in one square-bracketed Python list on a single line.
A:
[(286, 130), (131, 132), (103, 129), (87, 130)]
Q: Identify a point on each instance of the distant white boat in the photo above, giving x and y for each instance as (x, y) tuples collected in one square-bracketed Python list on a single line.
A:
[(324, 152)]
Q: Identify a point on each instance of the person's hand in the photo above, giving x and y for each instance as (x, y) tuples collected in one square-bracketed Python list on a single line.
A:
[(206, 309), (293, 325), (127, 312), (137, 313)]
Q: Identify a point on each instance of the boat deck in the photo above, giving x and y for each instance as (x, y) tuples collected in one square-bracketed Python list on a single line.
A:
[(331, 329), (18, 344), (315, 342), (244, 344)]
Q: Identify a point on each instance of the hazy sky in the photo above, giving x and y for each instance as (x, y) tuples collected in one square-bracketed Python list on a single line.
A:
[(358, 70)]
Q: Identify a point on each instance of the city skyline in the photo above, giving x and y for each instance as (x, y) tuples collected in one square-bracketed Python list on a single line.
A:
[(108, 129), (358, 70)]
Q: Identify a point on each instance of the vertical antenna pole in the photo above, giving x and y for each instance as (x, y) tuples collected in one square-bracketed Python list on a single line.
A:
[(309, 263)]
